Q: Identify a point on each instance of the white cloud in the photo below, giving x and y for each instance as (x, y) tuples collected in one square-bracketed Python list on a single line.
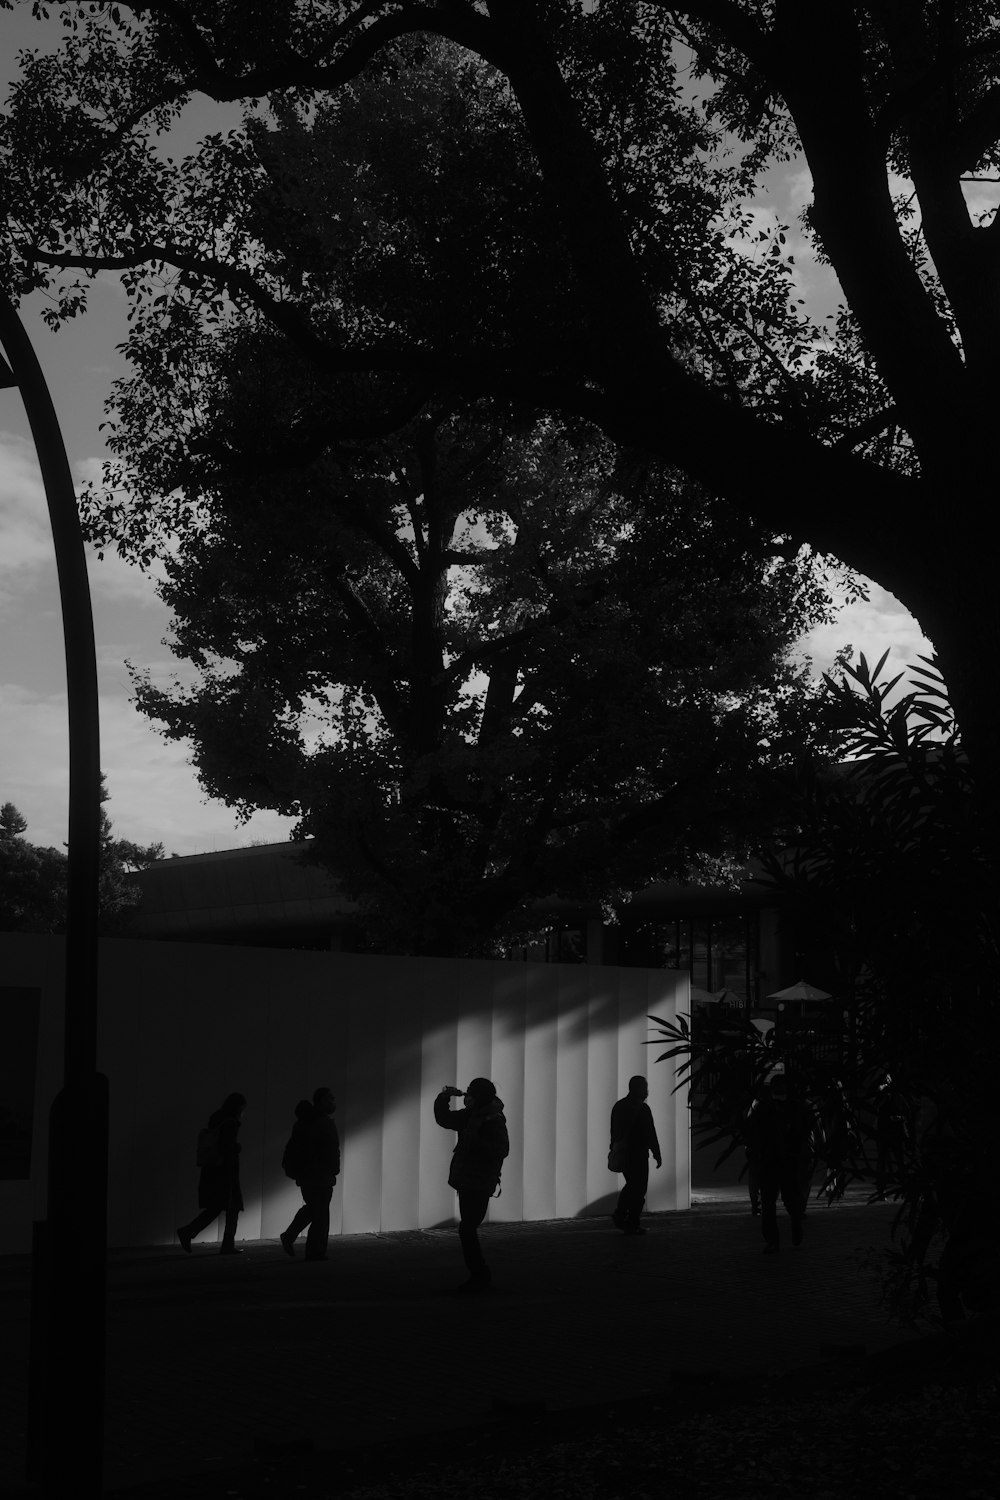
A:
[(154, 792), (25, 534), (871, 626)]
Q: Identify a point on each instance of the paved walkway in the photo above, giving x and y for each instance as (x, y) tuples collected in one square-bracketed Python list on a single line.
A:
[(213, 1358)]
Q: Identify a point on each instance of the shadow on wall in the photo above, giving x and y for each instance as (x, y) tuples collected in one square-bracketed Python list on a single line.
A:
[(600, 1207), (481, 1021)]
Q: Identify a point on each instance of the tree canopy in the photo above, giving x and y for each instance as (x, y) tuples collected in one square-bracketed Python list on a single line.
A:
[(490, 658), (656, 324), (485, 667)]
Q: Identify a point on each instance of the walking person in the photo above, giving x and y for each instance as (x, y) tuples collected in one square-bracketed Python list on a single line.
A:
[(781, 1127), (312, 1158), (476, 1164), (219, 1179), (633, 1141)]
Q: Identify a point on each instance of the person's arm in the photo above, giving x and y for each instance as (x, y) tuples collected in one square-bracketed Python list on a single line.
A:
[(447, 1117), (654, 1144)]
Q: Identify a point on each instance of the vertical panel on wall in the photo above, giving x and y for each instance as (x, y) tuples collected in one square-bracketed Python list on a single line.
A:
[(200, 988), (364, 992), (19, 1018), (248, 1006), (152, 1070), (509, 991), (603, 1024), (401, 1123), (539, 1117), (45, 957), (668, 1004), (634, 1058), (328, 1052), (291, 1075), (474, 1021), (120, 1018), (668, 1107), (442, 1004), (573, 991)]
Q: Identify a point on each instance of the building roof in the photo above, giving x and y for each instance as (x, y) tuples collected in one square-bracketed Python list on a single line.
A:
[(265, 892)]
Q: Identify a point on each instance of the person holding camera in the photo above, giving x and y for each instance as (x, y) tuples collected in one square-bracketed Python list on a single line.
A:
[(476, 1164)]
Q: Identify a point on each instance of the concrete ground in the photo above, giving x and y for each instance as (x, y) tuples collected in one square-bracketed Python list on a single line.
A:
[(213, 1361)]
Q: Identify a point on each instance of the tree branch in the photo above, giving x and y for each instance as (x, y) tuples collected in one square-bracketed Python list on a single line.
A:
[(375, 358), (977, 133), (869, 428), (460, 25), (381, 677), (735, 24)]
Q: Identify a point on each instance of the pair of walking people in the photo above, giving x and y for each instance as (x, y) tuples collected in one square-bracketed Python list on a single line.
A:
[(312, 1158)]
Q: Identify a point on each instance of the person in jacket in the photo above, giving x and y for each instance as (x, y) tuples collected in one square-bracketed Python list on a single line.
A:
[(219, 1179), (633, 1131), (781, 1137), (312, 1157), (476, 1164)]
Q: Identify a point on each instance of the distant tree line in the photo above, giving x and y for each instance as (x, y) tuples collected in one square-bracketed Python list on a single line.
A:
[(33, 876)]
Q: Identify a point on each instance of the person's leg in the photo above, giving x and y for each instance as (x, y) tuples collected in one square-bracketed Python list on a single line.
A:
[(318, 1204), (793, 1184), (472, 1208), (636, 1182), (228, 1246), (187, 1232), (769, 1184), (753, 1185), (299, 1223)]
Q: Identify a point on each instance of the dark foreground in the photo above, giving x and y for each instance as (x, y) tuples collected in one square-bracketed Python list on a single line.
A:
[(598, 1367)]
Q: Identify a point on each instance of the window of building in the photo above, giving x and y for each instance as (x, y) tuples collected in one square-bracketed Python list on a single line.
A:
[(718, 951)]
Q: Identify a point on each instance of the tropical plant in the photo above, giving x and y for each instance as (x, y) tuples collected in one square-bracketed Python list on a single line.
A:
[(883, 856)]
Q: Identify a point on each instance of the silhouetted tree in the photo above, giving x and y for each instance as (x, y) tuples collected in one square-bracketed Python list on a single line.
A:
[(484, 667), (33, 878), (12, 822), (856, 436), (540, 665)]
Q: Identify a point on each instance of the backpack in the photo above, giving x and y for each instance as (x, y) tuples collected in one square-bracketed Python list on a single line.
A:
[(291, 1159), (209, 1152)]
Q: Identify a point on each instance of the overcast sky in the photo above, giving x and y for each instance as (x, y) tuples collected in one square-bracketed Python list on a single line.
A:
[(154, 792)]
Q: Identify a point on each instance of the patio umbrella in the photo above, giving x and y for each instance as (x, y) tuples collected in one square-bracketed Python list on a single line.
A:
[(800, 991), (762, 1025), (702, 997), (730, 998)]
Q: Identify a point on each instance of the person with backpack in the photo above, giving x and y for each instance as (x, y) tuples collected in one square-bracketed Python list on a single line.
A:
[(312, 1158), (218, 1156), (476, 1164)]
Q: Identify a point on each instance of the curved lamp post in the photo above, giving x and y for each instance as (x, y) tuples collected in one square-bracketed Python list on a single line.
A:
[(66, 1399)]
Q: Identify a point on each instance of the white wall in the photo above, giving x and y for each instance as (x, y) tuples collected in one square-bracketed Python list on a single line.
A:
[(183, 1024)]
